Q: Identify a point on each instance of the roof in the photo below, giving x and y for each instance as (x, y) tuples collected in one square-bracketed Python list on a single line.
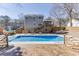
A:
[(34, 15)]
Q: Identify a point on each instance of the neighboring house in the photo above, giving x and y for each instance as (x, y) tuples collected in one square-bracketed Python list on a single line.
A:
[(32, 21), (47, 26), (75, 23), (60, 22)]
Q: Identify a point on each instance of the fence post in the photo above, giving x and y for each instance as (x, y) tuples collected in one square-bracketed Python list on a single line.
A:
[(64, 39)]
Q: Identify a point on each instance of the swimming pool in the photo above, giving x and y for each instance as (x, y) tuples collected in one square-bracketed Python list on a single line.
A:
[(36, 38)]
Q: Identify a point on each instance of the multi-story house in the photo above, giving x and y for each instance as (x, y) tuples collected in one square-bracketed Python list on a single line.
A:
[(32, 21)]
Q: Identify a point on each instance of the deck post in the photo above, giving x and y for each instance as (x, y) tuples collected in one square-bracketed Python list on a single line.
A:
[(7, 40)]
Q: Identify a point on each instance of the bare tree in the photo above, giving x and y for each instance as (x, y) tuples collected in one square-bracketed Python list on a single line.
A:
[(72, 11), (68, 10), (57, 12), (6, 20)]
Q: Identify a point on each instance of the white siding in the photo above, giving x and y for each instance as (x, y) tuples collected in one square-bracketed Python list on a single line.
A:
[(32, 21), (75, 23)]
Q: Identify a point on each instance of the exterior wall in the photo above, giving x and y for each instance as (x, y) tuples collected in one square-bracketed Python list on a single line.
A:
[(75, 23), (55, 23), (33, 21), (47, 25), (58, 23)]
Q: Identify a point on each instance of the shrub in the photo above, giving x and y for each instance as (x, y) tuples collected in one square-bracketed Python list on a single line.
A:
[(54, 29)]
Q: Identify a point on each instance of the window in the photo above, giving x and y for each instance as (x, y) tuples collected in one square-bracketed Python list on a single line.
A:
[(33, 17), (45, 29), (26, 17), (34, 24), (40, 17)]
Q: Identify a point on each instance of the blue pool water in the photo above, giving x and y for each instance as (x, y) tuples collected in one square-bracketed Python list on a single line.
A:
[(37, 38)]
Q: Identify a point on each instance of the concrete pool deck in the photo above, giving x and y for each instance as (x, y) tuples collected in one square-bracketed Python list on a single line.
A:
[(16, 43), (39, 50), (46, 50)]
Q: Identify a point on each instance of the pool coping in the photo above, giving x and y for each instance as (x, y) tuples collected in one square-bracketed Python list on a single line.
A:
[(44, 42), (38, 34), (13, 43)]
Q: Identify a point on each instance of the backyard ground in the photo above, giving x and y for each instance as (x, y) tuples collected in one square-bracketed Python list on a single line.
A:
[(70, 48), (39, 50), (48, 50)]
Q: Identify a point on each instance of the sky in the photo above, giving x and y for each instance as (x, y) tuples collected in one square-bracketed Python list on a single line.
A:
[(13, 10)]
